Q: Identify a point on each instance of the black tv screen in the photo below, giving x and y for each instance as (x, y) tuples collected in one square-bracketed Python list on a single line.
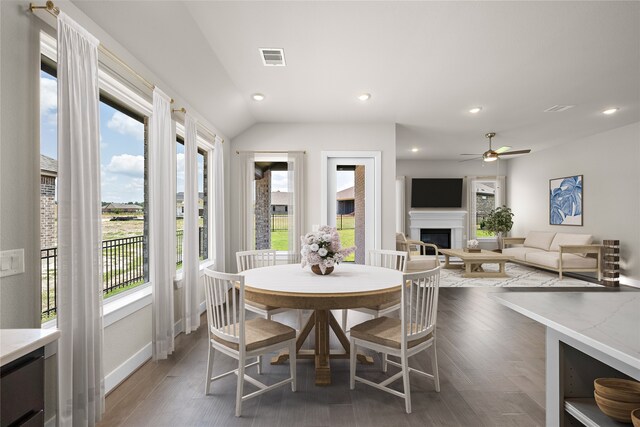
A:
[(436, 193)]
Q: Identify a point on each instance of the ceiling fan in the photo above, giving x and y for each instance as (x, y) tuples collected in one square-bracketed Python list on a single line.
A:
[(492, 155)]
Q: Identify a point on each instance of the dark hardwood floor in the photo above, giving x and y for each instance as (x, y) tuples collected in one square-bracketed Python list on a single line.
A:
[(491, 359)]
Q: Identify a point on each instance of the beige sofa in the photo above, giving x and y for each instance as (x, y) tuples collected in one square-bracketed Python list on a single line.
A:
[(414, 248), (561, 252)]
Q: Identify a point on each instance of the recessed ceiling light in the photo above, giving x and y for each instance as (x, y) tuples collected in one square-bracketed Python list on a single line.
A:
[(257, 97), (610, 111), (475, 110), (364, 97), (415, 150)]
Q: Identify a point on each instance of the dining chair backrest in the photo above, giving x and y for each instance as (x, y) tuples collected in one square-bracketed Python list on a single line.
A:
[(248, 260), (396, 260), (419, 303), (225, 309)]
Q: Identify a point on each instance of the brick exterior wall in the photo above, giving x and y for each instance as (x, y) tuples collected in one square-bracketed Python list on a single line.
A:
[(359, 193), (484, 204), (48, 212), (263, 211)]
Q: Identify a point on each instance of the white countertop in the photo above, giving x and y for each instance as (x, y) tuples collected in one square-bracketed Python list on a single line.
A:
[(15, 343), (606, 321)]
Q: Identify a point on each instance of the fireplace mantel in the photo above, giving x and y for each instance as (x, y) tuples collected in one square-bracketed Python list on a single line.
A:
[(456, 221)]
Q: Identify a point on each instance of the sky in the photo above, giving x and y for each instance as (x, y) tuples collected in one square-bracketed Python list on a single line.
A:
[(121, 148)]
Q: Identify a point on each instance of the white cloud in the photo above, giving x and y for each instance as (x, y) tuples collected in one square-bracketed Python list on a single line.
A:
[(279, 181), (125, 125), (126, 164), (180, 166), (48, 100)]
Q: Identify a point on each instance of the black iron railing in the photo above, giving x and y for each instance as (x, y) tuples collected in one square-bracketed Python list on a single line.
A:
[(280, 222), (122, 266)]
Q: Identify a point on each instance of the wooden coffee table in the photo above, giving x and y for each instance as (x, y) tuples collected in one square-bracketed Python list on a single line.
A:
[(472, 262)]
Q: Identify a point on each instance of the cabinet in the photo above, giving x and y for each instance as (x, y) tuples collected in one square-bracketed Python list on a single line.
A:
[(22, 391)]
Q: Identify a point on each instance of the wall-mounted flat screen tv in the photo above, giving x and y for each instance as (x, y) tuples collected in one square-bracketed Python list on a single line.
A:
[(436, 193)]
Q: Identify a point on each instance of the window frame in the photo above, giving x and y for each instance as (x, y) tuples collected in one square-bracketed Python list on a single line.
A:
[(496, 182)]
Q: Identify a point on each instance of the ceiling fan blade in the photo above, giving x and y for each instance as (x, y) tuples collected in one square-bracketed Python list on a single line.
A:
[(509, 153), (468, 160), (503, 149), (475, 154)]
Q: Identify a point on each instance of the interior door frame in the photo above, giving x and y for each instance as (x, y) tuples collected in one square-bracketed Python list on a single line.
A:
[(376, 156)]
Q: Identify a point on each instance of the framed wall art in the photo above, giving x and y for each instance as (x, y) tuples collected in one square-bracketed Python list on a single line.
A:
[(565, 200)]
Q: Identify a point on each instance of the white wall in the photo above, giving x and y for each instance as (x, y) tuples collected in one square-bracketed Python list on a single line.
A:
[(315, 138), (444, 169), (610, 163)]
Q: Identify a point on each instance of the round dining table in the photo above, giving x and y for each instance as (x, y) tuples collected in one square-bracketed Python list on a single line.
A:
[(349, 286)]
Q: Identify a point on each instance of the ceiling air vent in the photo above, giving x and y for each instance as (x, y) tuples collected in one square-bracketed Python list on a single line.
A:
[(558, 108), (272, 57)]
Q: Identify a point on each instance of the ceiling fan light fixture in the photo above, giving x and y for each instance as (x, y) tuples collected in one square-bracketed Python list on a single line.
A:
[(490, 156), (475, 110), (414, 150), (257, 97), (364, 97), (610, 111)]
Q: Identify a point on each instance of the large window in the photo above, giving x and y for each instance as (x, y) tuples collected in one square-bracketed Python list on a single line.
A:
[(271, 205), (484, 192), (123, 165), (203, 202)]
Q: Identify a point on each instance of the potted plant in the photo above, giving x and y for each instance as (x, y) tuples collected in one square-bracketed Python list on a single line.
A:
[(500, 222)]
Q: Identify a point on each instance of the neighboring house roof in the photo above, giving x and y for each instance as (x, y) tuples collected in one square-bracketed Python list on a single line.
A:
[(121, 206), (484, 189), (48, 165), (280, 198), (346, 194), (180, 196)]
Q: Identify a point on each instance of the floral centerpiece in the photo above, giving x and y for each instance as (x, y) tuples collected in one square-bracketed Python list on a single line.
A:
[(322, 249)]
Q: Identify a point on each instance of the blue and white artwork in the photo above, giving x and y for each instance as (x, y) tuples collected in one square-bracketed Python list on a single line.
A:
[(565, 200)]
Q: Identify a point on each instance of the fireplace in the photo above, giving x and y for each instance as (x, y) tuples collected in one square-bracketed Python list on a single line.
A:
[(441, 237), (453, 222)]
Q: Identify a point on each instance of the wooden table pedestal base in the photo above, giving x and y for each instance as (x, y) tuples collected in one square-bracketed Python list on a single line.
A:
[(322, 321)]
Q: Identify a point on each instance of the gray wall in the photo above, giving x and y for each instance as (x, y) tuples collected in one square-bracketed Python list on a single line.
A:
[(610, 163), (444, 169), (315, 138), (20, 161)]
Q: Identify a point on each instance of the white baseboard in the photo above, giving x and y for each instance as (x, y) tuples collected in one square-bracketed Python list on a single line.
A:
[(624, 280), (115, 377)]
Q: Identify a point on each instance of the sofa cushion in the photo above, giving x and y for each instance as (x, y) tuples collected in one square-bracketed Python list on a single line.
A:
[(570, 239), (539, 239), (552, 260), (519, 252)]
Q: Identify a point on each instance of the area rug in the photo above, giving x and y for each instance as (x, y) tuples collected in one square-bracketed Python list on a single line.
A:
[(519, 276)]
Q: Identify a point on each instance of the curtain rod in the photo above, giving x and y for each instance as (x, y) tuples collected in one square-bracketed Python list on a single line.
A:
[(271, 152), (203, 127), (55, 11)]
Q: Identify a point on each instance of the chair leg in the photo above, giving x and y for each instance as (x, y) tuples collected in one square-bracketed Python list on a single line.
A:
[(300, 320), (207, 386), (268, 316), (292, 364), (405, 383), (352, 365), (434, 367), (384, 362), (344, 319), (259, 365), (240, 386)]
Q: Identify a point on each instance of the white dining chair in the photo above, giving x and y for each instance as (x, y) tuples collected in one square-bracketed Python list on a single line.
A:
[(255, 259), (413, 333), (231, 334), (395, 260)]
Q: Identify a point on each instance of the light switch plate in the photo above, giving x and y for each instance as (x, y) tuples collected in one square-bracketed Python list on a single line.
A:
[(11, 262)]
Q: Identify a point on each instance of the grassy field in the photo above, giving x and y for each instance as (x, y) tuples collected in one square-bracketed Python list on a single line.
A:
[(280, 238)]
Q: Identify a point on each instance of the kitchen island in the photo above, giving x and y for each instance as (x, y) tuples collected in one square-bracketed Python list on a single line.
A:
[(588, 335)]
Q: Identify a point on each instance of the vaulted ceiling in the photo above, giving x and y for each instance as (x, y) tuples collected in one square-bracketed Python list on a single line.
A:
[(424, 63)]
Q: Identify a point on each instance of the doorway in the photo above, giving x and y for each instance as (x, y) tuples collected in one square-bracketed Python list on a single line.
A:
[(351, 198)]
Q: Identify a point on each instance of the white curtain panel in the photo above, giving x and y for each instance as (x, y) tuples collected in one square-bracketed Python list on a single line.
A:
[(246, 178), (400, 204), (162, 222), (471, 206), (295, 209), (501, 194), (80, 365), (218, 205), (190, 252)]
